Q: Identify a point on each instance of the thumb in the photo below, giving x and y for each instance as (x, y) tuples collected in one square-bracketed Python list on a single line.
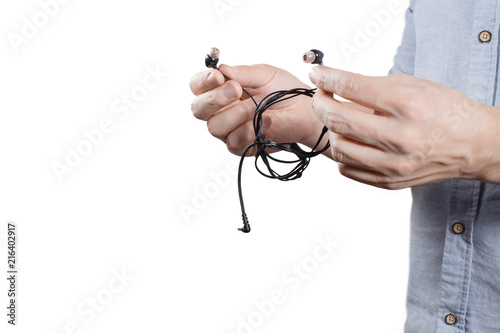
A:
[(334, 80), (254, 76)]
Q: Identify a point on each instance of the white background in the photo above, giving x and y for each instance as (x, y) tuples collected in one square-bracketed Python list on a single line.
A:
[(120, 208)]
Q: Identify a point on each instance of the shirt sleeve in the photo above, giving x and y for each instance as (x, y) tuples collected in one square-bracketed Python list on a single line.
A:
[(404, 60)]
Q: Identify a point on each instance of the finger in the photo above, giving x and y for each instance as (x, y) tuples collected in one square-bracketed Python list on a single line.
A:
[(373, 92), (355, 124), (364, 176), (240, 138), (205, 105), (359, 155), (383, 181), (254, 76), (395, 166), (372, 166), (222, 123), (205, 81)]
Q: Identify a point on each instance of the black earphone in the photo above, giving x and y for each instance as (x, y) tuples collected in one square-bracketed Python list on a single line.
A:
[(313, 57), (303, 157), (212, 58)]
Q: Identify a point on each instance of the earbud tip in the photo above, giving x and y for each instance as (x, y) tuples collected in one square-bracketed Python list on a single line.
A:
[(309, 57), (214, 53)]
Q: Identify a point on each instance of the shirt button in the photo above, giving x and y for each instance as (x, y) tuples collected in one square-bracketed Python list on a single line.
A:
[(484, 36), (458, 228), (450, 319)]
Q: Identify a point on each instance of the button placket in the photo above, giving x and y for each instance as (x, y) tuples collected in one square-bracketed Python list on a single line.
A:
[(456, 270)]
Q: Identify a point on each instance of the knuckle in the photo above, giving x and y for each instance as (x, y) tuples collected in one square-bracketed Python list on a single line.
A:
[(195, 109), (416, 108), (233, 145), (238, 140), (343, 170), (405, 168), (214, 128), (336, 150), (315, 103), (211, 101), (323, 79), (406, 141), (336, 122), (337, 154), (379, 180), (346, 86), (402, 168)]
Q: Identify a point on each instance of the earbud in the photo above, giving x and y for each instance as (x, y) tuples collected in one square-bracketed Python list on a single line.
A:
[(313, 57), (212, 58)]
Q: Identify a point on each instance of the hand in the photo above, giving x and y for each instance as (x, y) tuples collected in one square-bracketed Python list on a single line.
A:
[(419, 132), (229, 111)]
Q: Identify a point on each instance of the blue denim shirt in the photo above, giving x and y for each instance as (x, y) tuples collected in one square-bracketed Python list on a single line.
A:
[(454, 282)]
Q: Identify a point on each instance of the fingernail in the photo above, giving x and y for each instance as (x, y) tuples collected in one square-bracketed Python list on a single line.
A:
[(314, 74), (229, 92), (266, 123), (211, 79)]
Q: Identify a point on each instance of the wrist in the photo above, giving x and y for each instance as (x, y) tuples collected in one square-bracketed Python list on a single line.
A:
[(485, 148), (315, 131)]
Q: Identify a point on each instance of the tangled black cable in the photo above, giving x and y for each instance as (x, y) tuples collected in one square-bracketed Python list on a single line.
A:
[(260, 142), (303, 157)]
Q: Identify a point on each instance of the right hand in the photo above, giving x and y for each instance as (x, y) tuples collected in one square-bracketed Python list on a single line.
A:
[(229, 111)]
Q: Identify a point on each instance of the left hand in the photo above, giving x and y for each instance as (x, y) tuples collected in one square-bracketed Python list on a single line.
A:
[(419, 132)]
